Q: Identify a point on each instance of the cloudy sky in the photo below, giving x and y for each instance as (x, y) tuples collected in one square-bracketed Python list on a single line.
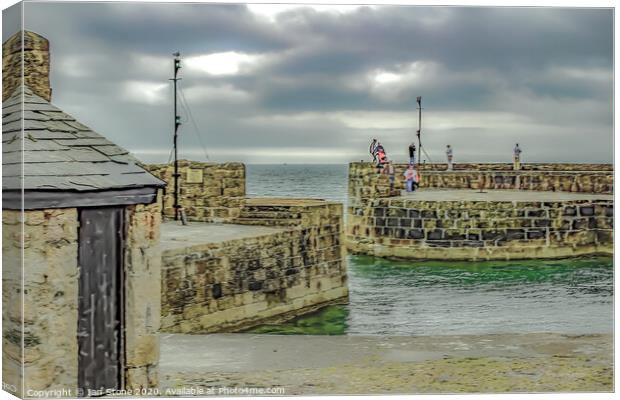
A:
[(277, 83)]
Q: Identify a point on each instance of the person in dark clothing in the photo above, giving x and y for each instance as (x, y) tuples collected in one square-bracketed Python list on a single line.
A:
[(373, 150), (412, 154)]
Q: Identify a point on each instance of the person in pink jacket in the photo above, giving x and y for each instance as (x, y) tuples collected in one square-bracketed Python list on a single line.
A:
[(411, 178)]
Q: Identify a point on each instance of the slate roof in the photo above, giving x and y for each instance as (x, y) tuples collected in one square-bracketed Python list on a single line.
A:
[(59, 153)]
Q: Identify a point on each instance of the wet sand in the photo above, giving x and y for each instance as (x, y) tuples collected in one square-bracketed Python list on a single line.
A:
[(534, 362)]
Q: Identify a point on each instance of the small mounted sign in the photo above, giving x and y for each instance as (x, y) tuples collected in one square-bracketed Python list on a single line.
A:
[(194, 175)]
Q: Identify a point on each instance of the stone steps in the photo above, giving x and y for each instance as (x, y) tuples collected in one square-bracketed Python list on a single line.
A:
[(265, 221), (268, 214)]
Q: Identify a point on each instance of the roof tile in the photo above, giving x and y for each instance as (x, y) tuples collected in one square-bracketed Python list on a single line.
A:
[(60, 153)]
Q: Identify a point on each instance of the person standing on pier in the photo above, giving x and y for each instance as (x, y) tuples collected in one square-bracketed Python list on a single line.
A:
[(516, 165), (373, 150), (411, 178), (449, 156), (412, 153)]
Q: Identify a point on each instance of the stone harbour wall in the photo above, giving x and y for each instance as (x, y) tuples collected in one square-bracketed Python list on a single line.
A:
[(208, 192), (292, 212), (50, 247), (524, 167), (480, 230), (365, 182), (236, 284), (553, 181), (36, 67)]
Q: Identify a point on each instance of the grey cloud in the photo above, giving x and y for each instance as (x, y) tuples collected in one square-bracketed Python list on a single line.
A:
[(161, 28), (468, 37), (11, 20), (507, 60)]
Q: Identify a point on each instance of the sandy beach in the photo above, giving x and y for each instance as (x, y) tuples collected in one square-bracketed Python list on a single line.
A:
[(536, 362)]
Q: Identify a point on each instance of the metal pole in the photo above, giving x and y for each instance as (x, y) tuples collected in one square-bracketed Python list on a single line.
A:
[(177, 123), (419, 99)]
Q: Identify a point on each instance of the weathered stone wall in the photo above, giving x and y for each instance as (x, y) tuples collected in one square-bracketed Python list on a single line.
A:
[(231, 285), (50, 302), (36, 67), (524, 167), (50, 298), (142, 295), (12, 331), (474, 230), (365, 182), (208, 192), (300, 213), (584, 182)]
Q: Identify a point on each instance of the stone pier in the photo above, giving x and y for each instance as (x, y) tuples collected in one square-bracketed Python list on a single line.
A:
[(227, 277), (243, 261), (544, 211)]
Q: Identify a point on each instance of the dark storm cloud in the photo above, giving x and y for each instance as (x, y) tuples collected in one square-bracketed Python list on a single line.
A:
[(513, 41), (160, 28), (459, 37), (525, 73)]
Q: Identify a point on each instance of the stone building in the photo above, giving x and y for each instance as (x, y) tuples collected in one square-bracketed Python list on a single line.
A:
[(81, 262), (33, 50)]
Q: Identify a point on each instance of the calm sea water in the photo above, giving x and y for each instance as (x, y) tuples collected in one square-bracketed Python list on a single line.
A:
[(327, 182), (434, 298)]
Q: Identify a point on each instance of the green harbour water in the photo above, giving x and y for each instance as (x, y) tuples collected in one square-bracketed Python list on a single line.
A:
[(330, 320), (450, 298), (572, 296)]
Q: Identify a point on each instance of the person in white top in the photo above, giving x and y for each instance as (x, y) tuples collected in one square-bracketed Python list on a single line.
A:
[(449, 156), (516, 158)]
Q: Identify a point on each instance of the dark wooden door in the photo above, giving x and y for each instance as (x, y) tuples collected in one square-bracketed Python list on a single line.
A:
[(100, 303)]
